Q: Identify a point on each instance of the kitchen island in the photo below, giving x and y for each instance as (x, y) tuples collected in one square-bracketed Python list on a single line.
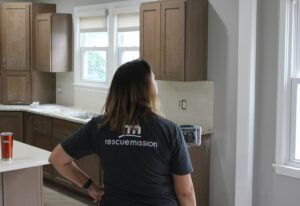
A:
[(21, 179)]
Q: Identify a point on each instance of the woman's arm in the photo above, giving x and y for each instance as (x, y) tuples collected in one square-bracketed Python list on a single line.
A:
[(184, 190), (65, 165)]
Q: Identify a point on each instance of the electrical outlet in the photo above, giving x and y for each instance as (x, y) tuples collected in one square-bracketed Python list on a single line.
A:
[(59, 89), (182, 104)]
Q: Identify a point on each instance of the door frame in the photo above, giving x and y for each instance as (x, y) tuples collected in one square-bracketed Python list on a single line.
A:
[(245, 102)]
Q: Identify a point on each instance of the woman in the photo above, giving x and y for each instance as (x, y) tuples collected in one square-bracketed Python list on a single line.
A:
[(144, 156)]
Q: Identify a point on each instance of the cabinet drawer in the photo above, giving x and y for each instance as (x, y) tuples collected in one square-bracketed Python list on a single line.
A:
[(65, 128), (42, 123)]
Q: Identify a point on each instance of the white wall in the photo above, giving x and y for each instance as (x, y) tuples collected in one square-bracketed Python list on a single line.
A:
[(269, 188), (222, 68)]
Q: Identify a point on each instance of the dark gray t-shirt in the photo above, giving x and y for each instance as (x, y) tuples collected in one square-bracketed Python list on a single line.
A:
[(138, 165)]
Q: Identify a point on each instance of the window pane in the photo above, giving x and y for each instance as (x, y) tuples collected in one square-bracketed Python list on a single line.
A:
[(129, 39), (94, 39), (95, 66), (297, 152), (129, 55)]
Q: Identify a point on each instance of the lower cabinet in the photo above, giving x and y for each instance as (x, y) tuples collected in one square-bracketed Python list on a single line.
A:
[(200, 157), (90, 164), (46, 133), (41, 132), (12, 122)]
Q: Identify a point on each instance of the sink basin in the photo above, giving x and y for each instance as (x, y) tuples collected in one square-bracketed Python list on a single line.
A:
[(83, 115)]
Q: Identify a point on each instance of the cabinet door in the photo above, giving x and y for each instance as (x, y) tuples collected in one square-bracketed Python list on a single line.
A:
[(1, 46), (1, 85), (12, 122), (150, 36), (15, 36), (173, 40), (42, 138), (16, 87), (43, 42), (89, 164), (44, 141), (200, 157)]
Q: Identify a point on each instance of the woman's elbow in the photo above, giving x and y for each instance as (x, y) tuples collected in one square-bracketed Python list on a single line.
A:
[(186, 192), (58, 156)]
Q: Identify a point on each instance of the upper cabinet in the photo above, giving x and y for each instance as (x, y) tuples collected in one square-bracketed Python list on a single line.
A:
[(20, 83), (174, 39), (15, 34), (53, 42)]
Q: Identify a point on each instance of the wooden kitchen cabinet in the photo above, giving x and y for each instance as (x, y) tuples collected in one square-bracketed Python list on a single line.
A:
[(174, 38), (16, 87), (41, 132), (15, 36), (200, 157), (53, 42), (12, 122), (150, 36), (89, 164), (20, 84)]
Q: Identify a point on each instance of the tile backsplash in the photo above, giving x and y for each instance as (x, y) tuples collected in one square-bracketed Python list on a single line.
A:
[(199, 102)]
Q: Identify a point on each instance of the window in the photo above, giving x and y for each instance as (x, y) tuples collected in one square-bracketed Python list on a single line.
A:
[(106, 36), (295, 83), (288, 95), (93, 48), (128, 37)]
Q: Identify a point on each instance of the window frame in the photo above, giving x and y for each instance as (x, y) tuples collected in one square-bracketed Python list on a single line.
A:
[(285, 163), (294, 83), (122, 49), (112, 9)]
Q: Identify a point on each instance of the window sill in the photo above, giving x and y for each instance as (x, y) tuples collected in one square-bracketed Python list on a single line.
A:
[(287, 170)]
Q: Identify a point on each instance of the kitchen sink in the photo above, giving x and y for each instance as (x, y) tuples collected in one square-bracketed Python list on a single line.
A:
[(83, 115)]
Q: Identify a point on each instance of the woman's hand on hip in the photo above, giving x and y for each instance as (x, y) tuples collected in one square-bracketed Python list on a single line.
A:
[(95, 192)]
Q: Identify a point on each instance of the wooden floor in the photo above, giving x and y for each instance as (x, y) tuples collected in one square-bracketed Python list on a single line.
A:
[(57, 196)]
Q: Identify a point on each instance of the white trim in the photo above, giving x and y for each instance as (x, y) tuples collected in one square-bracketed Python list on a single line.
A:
[(285, 164), (128, 29), (283, 96), (287, 170), (245, 102), (295, 83), (104, 29)]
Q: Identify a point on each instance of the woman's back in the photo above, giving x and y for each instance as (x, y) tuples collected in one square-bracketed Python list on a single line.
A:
[(138, 164)]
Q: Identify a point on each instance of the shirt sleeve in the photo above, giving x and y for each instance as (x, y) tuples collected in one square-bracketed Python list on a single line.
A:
[(180, 162), (80, 143)]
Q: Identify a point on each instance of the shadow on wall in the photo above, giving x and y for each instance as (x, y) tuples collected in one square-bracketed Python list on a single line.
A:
[(222, 70)]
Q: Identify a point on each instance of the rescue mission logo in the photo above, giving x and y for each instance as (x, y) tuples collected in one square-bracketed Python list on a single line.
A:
[(132, 137)]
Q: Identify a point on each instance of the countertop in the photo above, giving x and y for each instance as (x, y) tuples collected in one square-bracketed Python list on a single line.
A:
[(24, 156), (63, 112), (53, 110)]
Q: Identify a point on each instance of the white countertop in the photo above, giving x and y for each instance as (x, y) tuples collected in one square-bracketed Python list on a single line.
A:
[(52, 110), (62, 112), (24, 156)]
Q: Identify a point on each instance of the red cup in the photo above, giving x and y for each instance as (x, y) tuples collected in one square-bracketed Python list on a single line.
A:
[(6, 145)]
